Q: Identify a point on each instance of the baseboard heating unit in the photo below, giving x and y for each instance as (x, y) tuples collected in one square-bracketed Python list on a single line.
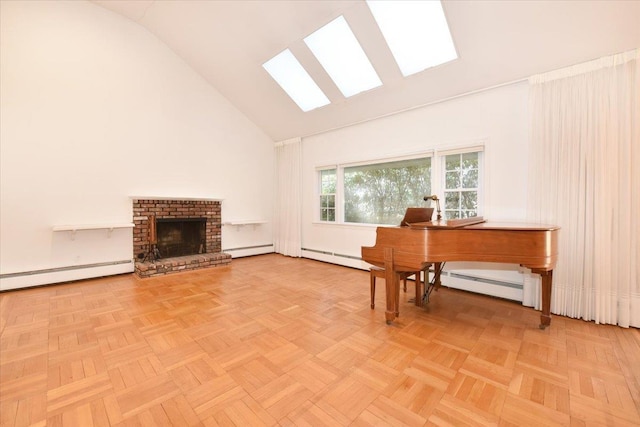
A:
[(26, 279), (508, 289)]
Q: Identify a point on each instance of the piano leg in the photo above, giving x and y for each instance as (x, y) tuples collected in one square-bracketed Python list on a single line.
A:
[(418, 300), (392, 287), (547, 277)]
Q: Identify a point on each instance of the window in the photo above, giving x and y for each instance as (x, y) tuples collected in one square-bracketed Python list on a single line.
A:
[(376, 193), (380, 192), (461, 185), (328, 195)]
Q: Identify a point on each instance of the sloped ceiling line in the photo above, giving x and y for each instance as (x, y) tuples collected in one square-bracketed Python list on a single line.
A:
[(497, 42)]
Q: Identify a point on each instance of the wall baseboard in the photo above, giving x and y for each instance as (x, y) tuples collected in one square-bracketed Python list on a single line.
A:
[(63, 274), (496, 288), (333, 258), (249, 251)]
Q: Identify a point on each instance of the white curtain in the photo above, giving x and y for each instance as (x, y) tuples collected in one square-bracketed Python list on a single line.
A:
[(287, 224), (585, 177)]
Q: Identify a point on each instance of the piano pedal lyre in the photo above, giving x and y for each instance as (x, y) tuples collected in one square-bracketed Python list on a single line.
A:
[(434, 283)]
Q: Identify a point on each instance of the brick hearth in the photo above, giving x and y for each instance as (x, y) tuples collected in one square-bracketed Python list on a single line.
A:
[(145, 209)]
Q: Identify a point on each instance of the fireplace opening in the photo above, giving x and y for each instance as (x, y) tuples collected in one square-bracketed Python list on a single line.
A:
[(181, 236)]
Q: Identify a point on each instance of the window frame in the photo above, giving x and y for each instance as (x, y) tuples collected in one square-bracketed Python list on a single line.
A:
[(340, 193), (442, 185), (321, 194), (438, 187)]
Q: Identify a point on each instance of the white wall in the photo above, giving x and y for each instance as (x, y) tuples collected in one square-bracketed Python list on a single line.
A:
[(497, 117), (95, 109)]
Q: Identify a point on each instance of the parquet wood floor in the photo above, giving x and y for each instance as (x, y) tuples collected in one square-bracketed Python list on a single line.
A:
[(277, 341)]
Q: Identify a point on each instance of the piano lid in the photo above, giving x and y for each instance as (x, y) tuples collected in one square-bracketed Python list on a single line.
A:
[(479, 223)]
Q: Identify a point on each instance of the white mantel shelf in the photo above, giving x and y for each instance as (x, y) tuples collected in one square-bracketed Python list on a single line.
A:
[(194, 199)]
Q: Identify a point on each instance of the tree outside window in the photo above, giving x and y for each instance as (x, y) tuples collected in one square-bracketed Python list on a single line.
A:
[(380, 193)]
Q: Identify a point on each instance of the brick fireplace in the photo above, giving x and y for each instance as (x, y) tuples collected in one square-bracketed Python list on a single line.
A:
[(148, 213)]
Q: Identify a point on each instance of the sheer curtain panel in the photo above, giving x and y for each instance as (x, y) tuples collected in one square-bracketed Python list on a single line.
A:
[(287, 226), (585, 177)]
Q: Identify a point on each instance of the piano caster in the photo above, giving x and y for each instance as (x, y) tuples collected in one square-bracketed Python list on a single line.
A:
[(543, 327), (388, 322)]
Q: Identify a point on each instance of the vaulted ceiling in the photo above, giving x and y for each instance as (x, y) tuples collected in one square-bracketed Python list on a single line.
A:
[(497, 42)]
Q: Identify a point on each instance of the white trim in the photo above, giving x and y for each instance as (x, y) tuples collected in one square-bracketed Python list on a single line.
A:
[(392, 158), (378, 161), (481, 287), (63, 274), (462, 149), (393, 113), (288, 141), (586, 67), (335, 259), (249, 251), (326, 168)]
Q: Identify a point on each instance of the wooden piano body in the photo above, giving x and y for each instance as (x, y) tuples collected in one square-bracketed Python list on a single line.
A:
[(397, 249)]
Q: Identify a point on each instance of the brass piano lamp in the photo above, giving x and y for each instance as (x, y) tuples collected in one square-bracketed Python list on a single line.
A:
[(435, 199)]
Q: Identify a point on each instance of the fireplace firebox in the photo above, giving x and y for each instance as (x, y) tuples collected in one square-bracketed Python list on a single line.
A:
[(181, 236)]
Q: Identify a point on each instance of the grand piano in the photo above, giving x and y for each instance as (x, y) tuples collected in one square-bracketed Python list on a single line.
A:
[(399, 249)]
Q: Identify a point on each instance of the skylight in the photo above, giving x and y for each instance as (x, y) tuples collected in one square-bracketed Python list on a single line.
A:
[(339, 52), (294, 79), (416, 32)]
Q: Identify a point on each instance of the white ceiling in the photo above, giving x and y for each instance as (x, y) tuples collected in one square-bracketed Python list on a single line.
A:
[(497, 42)]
